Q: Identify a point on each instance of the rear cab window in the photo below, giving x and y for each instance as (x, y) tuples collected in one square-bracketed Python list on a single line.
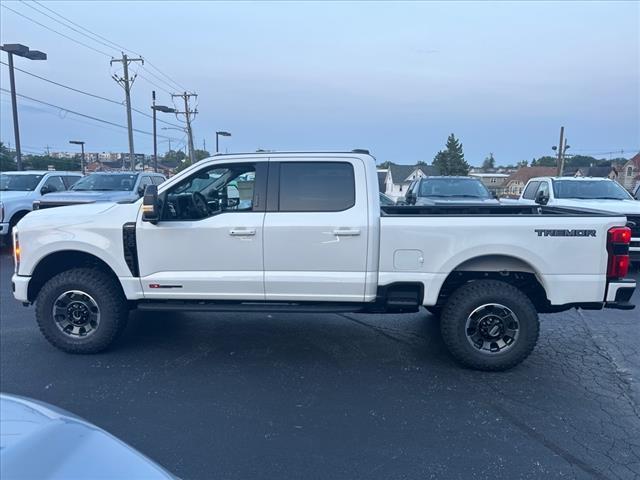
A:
[(316, 187)]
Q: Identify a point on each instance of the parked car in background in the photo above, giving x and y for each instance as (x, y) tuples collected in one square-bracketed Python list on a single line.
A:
[(587, 192), (41, 441), (18, 191), (103, 187), (448, 190), (386, 200)]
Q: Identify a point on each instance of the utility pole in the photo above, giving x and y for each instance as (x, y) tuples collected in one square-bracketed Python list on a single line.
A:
[(562, 150), (126, 84), (155, 138), (187, 115)]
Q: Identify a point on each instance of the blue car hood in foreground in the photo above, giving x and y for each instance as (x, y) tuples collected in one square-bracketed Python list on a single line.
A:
[(89, 196), (41, 441)]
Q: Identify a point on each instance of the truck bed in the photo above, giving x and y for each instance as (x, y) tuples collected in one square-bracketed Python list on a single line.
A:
[(489, 210)]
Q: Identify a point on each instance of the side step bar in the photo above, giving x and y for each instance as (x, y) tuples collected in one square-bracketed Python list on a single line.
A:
[(230, 306)]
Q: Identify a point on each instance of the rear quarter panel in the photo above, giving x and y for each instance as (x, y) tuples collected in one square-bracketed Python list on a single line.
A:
[(571, 269)]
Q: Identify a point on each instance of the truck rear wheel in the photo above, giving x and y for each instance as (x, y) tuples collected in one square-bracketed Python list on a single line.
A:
[(81, 310), (489, 325)]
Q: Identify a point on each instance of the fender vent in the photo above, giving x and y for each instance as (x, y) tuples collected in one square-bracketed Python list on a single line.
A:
[(130, 247)]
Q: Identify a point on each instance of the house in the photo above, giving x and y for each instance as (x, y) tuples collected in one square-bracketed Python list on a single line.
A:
[(399, 177), (630, 173), (598, 172), (382, 175), (514, 184), (493, 181)]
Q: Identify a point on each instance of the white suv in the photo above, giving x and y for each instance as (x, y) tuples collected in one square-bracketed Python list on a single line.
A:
[(18, 190)]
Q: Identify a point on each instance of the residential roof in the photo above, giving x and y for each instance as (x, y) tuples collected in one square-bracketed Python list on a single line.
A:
[(635, 160), (489, 175), (400, 173), (524, 174), (596, 171)]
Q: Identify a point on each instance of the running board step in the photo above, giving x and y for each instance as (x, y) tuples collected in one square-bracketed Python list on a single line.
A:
[(221, 306)]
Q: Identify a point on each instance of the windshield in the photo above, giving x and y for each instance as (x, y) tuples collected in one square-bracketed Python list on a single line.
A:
[(97, 182), (19, 183), (453, 187), (590, 189)]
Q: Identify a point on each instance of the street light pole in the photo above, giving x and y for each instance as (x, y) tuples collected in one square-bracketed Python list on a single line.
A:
[(82, 161), (221, 134), (21, 51), (156, 108)]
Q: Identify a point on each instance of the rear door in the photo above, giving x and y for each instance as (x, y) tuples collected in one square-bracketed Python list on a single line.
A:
[(315, 230)]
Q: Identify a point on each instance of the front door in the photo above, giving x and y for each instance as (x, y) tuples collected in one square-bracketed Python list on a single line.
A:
[(208, 242), (315, 231)]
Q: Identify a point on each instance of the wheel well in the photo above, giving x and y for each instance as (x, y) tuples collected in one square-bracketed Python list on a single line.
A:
[(503, 268), (15, 218), (58, 262)]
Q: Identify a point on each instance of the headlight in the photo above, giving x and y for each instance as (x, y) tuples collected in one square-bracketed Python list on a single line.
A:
[(16, 250)]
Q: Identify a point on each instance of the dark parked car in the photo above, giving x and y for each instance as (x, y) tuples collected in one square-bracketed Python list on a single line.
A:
[(103, 187), (448, 190)]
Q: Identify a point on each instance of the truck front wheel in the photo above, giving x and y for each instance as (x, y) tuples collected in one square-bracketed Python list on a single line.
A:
[(489, 325), (81, 310)]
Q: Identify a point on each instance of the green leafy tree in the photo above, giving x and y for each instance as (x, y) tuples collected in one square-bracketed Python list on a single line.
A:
[(451, 160), (201, 154), (489, 163), (173, 158), (384, 165), (545, 161), (7, 159)]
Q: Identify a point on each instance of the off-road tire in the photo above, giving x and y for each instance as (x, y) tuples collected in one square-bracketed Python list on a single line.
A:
[(107, 294), (473, 295)]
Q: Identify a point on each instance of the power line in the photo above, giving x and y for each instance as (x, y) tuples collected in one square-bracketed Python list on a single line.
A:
[(28, 4), (57, 32), (89, 94), (111, 44), (91, 117)]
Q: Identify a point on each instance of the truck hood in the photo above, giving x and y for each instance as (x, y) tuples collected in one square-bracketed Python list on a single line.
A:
[(86, 197), (63, 445), (631, 207), (69, 215), (11, 195)]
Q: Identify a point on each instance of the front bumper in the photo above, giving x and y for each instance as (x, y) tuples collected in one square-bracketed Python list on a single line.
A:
[(4, 229), (20, 287)]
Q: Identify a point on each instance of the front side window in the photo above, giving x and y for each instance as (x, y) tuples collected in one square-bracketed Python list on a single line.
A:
[(590, 189), (316, 186), (70, 180), (544, 188), (530, 191), (218, 189), (106, 182), (19, 183), (53, 184)]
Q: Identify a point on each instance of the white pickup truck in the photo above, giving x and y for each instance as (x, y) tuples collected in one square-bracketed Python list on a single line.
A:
[(305, 232), (587, 192)]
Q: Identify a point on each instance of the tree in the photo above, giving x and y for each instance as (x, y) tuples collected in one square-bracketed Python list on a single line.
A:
[(489, 163), (201, 154), (451, 160), (173, 157), (545, 161), (421, 163), (384, 165), (7, 159)]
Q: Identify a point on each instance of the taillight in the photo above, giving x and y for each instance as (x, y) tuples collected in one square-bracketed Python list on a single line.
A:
[(618, 241)]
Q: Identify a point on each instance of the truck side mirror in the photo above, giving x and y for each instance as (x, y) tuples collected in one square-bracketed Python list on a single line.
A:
[(410, 198), (541, 198), (44, 190), (150, 205)]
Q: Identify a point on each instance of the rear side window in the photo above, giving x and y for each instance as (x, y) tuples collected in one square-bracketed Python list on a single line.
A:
[(530, 191), (316, 186)]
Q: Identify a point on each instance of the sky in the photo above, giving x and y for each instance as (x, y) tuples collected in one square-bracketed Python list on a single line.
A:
[(392, 77)]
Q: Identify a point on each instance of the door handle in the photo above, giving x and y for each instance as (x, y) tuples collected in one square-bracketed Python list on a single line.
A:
[(242, 232), (346, 232)]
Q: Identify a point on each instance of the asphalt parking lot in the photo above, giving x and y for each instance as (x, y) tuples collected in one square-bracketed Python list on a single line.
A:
[(240, 396)]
